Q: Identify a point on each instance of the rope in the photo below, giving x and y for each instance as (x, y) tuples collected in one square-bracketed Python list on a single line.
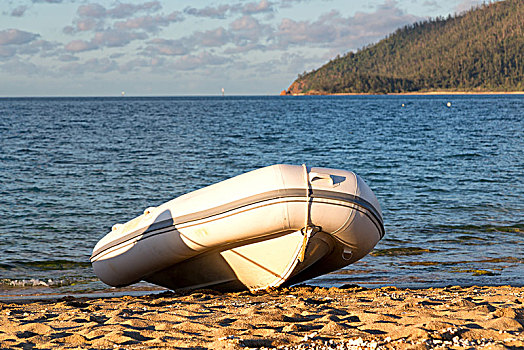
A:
[(308, 228), (308, 195)]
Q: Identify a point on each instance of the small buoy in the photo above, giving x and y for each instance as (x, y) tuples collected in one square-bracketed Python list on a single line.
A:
[(448, 104), (403, 105), (123, 93)]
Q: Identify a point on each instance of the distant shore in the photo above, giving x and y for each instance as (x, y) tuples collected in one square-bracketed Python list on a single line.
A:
[(415, 93), (303, 317), (460, 93)]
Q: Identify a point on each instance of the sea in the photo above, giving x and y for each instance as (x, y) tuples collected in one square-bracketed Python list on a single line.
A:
[(448, 171)]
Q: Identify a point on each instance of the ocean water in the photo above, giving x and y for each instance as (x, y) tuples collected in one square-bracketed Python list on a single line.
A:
[(450, 179)]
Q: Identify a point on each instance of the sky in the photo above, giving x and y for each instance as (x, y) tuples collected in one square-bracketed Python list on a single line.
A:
[(179, 47)]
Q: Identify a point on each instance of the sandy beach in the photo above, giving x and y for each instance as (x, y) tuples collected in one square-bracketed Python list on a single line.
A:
[(303, 317)]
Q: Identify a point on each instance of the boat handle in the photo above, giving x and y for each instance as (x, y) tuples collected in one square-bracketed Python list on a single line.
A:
[(320, 176)]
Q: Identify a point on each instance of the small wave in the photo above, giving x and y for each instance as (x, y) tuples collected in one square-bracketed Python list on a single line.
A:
[(4, 266), (463, 238), (465, 156), (33, 282), (477, 272), (31, 189), (401, 251), (501, 260), (45, 265), (8, 283), (517, 228)]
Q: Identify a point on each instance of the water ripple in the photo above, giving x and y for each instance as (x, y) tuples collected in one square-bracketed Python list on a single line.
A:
[(449, 179)]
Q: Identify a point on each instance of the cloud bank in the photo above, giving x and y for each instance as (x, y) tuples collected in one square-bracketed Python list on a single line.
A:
[(210, 41)]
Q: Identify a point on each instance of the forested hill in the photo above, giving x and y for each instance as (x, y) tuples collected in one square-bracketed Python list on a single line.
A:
[(480, 50)]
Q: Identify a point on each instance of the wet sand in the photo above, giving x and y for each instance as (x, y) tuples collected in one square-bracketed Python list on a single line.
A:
[(301, 317)]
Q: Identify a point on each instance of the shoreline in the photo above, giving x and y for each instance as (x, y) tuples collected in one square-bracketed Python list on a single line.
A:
[(427, 93), (149, 290), (304, 317), (459, 93)]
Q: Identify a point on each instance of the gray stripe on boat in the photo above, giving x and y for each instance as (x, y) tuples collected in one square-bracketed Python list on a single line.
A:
[(235, 205)]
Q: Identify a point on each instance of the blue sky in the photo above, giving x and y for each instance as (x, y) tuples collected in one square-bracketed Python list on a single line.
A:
[(247, 47)]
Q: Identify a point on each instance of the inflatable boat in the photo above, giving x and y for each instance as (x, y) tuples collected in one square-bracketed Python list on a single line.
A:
[(273, 226)]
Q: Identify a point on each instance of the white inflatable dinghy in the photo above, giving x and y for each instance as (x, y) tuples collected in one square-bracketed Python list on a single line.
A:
[(276, 225)]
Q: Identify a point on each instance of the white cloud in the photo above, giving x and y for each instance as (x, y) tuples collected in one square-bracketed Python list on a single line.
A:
[(166, 47), (68, 58), (48, 1), (333, 30), (138, 63), (223, 11), (17, 42), (7, 51), (185, 46), (87, 24), (116, 38), (92, 10), (80, 46), (292, 32), (203, 59), (254, 7), (95, 17), (218, 12), (211, 38), (149, 23), (290, 3), (107, 38), (42, 47), (16, 37), (245, 33), (247, 30), (120, 10), (245, 48)]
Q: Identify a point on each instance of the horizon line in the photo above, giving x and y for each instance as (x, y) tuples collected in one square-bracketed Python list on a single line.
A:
[(414, 93)]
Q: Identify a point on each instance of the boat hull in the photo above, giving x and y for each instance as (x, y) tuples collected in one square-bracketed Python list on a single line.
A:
[(271, 226)]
